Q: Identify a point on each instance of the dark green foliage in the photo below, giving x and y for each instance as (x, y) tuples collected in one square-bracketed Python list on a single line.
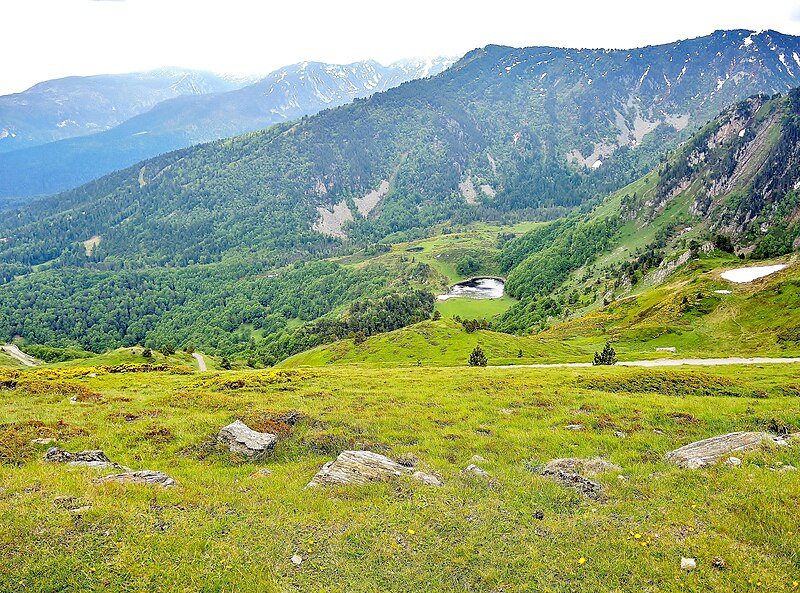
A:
[(51, 354), (477, 358), (225, 363), (607, 357), (473, 325), (723, 243), (167, 349)]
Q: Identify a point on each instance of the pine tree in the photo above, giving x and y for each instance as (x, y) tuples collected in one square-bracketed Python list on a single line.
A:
[(477, 358), (607, 357)]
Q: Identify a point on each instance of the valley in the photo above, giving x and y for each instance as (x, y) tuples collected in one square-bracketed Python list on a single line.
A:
[(526, 320)]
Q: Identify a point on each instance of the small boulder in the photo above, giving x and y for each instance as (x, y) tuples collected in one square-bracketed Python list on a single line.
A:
[(733, 461), (427, 479), (574, 427), (477, 459), (244, 440), (145, 476), (710, 451), (91, 458), (475, 470), (264, 472), (44, 441), (297, 560), (587, 467), (358, 467), (688, 564)]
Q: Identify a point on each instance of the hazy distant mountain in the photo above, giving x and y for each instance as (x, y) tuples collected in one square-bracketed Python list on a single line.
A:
[(79, 105), (288, 93)]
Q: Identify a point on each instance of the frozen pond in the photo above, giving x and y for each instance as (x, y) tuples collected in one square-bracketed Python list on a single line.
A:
[(742, 275), (476, 288)]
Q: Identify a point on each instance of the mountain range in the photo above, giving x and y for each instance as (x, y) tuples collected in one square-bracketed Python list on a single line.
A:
[(149, 125), (620, 153)]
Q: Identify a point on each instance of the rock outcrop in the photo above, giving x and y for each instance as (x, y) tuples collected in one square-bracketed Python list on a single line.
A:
[(710, 451), (572, 472), (363, 467), (244, 440), (144, 476), (91, 458)]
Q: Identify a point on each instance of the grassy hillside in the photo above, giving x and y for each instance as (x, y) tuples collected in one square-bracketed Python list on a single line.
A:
[(222, 530), (685, 312)]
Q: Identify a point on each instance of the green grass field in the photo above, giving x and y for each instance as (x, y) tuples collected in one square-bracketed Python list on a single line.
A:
[(467, 308), (222, 530)]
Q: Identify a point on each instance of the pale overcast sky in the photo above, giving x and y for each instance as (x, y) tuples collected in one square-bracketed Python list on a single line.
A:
[(44, 39)]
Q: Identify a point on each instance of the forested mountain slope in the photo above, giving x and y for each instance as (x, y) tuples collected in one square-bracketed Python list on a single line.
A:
[(288, 93), (497, 135)]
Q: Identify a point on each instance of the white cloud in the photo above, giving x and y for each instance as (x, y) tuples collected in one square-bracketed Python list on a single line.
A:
[(54, 38)]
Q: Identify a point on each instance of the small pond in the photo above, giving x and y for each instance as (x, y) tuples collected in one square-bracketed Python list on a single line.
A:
[(476, 288)]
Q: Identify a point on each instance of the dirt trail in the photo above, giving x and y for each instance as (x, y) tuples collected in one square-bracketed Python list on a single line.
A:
[(663, 362), (14, 352), (201, 361)]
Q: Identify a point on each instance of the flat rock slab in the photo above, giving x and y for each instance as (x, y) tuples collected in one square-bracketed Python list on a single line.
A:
[(358, 467), (91, 458), (584, 467), (710, 451), (242, 439), (475, 471), (144, 476)]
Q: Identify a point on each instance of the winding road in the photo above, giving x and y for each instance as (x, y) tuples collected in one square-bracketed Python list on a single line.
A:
[(201, 361), (14, 352), (662, 362)]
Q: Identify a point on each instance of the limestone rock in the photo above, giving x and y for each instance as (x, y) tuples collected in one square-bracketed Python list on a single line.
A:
[(574, 427), (710, 451), (264, 472), (475, 470), (297, 560), (91, 458), (242, 439), (477, 459), (427, 479), (733, 461), (144, 476), (688, 564), (358, 467), (44, 441), (585, 467)]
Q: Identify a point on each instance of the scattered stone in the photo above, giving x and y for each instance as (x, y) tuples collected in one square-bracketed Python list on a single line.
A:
[(427, 479), (407, 459), (733, 461), (145, 476), (718, 562), (246, 441), (474, 469), (477, 459), (80, 510), (787, 468), (658, 431), (506, 411), (45, 441), (688, 564), (73, 399), (584, 486), (297, 560), (622, 478), (619, 434), (264, 472), (538, 515), (709, 451), (358, 467), (92, 458), (574, 427), (587, 467)]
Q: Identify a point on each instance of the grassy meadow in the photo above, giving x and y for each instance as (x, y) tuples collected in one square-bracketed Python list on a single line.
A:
[(222, 530)]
